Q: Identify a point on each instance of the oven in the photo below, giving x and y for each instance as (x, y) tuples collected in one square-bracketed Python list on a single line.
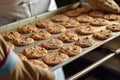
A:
[(103, 63)]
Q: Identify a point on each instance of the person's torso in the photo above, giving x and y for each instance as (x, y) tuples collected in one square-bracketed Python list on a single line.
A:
[(20, 9)]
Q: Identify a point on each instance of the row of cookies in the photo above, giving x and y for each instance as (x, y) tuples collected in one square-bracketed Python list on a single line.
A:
[(52, 58), (70, 19), (93, 13)]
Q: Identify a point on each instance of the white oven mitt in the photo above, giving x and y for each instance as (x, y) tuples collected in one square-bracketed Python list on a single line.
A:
[(107, 5)]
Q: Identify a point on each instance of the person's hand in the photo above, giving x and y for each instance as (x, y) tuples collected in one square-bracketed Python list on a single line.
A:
[(107, 5), (3, 48)]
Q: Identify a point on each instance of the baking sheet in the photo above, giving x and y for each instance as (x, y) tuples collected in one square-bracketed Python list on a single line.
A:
[(15, 25)]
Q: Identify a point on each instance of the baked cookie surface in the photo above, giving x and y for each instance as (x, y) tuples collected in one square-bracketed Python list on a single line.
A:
[(102, 34), (96, 14), (52, 44), (44, 23), (85, 30), (84, 42), (23, 41), (27, 29), (71, 23), (112, 17), (84, 18), (99, 22), (55, 29), (72, 13), (114, 27), (68, 37), (10, 35), (40, 35), (83, 10), (59, 18), (71, 50), (54, 58), (34, 52)]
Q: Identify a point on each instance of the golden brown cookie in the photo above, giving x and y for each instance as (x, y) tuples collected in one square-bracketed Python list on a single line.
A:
[(99, 22), (40, 35), (59, 18), (22, 57), (23, 41), (44, 23), (68, 37), (71, 50), (85, 30), (102, 34), (72, 13), (54, 58), (39, 63), (10, 35), (84, 42), (71, 23), (83, 10), (112, 17), (27, 29), (114, 27), (55, 29), (10, 46), (84, 19), (52, 44), (34, 52), (96, 14)]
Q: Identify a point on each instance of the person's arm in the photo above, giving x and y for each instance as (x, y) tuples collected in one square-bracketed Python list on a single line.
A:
[(12, 68)]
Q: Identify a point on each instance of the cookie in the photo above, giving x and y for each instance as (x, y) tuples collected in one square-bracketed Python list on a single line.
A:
[(10, 46), (34, 52), (23, 41), (39, 63), (85, 30), (114, 27), (59, 18), (112, 17), (71, 50), (102, 34), (10, 35), (96, 14), (84, 19), (99, 22), (71, 24), (44, 23), (54, 58), (84, 42), (52, 44), (83, 10), (40, 35), (55, 29), (72, 13), (22, 57), (68, 37), (27, 29)]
